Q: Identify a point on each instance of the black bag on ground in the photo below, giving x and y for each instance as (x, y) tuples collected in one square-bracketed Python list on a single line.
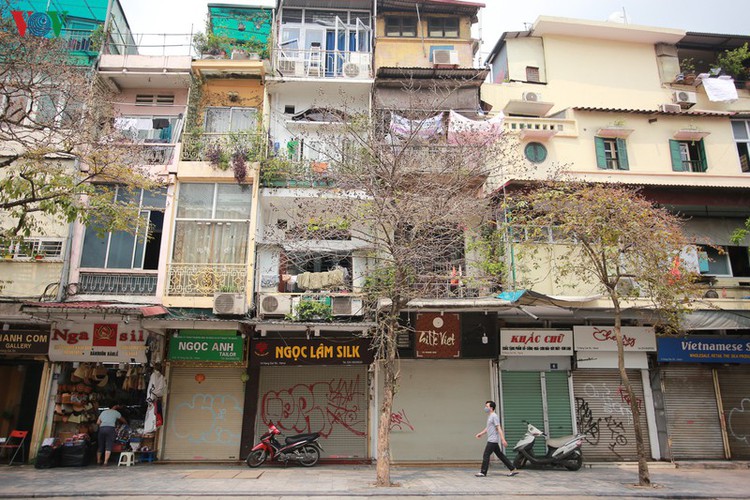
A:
[(75, 456), (48, 457)]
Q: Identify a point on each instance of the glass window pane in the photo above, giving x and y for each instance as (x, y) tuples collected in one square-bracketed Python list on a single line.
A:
[(94, 249), (195, 201), (243, 119), (192, 242), (233, 202), (229, 242), (291, 16), (121, 251), (46, 110), (217, 120), (740, 129), (155, 199), (717, 263)]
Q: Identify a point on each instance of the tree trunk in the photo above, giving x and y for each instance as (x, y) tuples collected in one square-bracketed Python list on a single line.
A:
[(390, 381), (644, 478)]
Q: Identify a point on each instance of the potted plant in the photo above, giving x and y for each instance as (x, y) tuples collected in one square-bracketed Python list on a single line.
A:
[(310, 309), (687, 68), (736, 62), (37, 256), (211, 44)]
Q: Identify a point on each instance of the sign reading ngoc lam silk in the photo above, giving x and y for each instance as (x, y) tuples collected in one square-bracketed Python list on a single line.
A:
[(602, 338), (704, 349), (279, 352), (536, 342), (196, 345), (101, 342)]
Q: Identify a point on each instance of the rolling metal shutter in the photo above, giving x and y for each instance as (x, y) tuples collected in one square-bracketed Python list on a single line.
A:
[(331, 400), (204, 414), (604, 415), (735, 399), (693, 423), (559, 412)]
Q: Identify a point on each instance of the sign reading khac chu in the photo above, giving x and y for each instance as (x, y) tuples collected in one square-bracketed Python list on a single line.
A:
[(100, 342), (438, 335), (536, 342), (602, 338)]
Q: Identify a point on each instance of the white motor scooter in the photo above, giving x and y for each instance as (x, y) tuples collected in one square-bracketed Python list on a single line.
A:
[(564, 451)]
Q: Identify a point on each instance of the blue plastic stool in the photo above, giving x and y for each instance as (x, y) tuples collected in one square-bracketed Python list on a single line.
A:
[(147, 456)]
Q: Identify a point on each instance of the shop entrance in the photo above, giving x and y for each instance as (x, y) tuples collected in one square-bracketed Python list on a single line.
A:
[(19, 393)]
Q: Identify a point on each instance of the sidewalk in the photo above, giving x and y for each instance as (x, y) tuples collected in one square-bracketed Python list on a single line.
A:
[(201, 481)]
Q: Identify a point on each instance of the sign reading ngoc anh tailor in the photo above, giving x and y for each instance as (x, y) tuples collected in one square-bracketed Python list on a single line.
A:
[(224, 347), (704, 349), (279, 352)]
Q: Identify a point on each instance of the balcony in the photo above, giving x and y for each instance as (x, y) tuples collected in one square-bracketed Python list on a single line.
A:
[(203, 280), (540, 128), (318, 63), (201, 147), (114, 283)]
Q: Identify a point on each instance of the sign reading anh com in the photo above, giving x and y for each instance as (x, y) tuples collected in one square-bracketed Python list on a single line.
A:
[(602, 338)]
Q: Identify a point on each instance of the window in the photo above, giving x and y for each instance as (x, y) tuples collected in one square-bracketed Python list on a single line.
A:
[(442, 27), (46, 248), (151, 99), (401, 26), (688, 156), (535, 152), (212, 224), (611, 154), (151, 129), (15, 108), (741, 129), (121, 250), (724, 261), (532, 74), (224, 120)]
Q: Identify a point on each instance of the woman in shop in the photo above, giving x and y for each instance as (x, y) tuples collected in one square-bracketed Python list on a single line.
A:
[(107, 422)]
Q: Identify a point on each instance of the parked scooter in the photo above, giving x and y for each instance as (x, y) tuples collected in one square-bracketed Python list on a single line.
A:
[(564, 451), (302, 448)]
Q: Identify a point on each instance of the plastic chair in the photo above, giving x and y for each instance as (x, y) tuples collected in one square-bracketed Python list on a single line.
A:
[(127, 458), (15, 441)]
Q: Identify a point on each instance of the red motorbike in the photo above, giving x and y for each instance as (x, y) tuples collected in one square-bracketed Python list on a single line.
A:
[(302, 448)]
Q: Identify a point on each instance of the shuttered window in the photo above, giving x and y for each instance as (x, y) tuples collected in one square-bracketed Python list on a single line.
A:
[(688, 156), (611, 154)]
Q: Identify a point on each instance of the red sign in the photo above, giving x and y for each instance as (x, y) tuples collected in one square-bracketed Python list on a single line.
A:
[(438, 335), (105, 334)]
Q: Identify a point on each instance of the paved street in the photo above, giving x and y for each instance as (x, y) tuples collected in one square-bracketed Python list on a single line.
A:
[(157, 481)]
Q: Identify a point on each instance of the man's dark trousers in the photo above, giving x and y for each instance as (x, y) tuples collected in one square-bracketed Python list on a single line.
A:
[(489, 450)]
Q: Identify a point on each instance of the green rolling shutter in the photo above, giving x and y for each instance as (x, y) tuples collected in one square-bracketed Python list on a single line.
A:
[(559, 412), (674, 151), (601, 158), (622, 154), (702, 156), (522, 400)]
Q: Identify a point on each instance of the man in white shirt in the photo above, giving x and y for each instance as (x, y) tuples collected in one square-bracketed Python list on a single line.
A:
[(494, 435)]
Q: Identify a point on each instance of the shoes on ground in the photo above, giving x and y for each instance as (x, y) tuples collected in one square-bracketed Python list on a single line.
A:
[(513, 473), (480, 474)]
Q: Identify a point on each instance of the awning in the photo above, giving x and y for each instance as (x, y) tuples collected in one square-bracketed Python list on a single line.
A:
[(146, 311), (717, 320)]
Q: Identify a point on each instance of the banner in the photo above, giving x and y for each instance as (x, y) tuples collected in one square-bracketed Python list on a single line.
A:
[(24, 342), (704, 349), (536, 342), (200, 345), (290, 352), (98, 342), (602, 338), (438, 335)]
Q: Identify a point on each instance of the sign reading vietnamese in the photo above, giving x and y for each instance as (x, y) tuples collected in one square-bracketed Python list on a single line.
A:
[(24, 342), (704, 349), (102, 342), (536, 342), (280, 352), (438, 335), (602, 338), (220, 346)]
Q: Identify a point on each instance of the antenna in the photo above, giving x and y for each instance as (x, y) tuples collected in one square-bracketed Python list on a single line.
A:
[(620, 17)]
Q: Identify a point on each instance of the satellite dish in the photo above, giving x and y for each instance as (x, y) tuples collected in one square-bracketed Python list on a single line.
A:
[(619, 16)]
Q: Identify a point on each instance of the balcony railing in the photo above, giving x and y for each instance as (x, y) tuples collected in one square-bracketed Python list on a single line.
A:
[(92, 283), (318, 63), (202, 280), (278, 172), (199, 147)]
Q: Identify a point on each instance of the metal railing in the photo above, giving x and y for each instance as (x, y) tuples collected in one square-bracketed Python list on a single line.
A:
[(153, 44), (109, 283), (202, 280), (318, 63), (200, 147)]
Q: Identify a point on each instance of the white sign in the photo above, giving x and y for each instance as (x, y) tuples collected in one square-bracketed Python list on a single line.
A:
[(604, 359), (102, 342), (536, 342), (602, 338)]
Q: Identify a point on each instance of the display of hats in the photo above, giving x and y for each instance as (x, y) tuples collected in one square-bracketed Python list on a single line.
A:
[(78, 407), (65, 398), (81, 373), (104, 381)]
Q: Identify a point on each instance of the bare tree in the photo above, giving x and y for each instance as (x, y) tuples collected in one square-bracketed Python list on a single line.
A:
[(58, 140), (607, 236), (414, 197)]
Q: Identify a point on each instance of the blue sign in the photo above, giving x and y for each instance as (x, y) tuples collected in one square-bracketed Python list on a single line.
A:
[(704, 349)]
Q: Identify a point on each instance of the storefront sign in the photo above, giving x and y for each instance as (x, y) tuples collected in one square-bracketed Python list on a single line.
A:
[(218, 346), (704, 349), (536, 342), (438, 335), (280, 352), (602, 338), (102, 342), (24, 342)]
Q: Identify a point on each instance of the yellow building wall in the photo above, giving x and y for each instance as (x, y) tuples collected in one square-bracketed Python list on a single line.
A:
[(232, 93)]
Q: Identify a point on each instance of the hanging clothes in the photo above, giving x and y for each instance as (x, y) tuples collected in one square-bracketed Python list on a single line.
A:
[(462, 130), (402, 128), (160, 123)]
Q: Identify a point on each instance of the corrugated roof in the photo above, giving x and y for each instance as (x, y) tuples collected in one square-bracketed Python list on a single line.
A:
[(474, 74), (654, 111), (436, 6), (145, 310)]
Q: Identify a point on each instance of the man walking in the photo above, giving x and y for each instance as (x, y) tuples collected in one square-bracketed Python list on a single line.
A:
[(494, 436)]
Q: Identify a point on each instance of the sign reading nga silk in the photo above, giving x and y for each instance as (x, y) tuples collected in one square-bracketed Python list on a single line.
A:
[(602, 338), (103, 342)]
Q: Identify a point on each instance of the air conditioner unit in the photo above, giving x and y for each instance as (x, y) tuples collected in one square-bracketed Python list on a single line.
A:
[(670, 108), (684, 98), (230, 303), (274, 304), (291, 67), (346, 306), (532, 97), (352, 70), (448, 57)]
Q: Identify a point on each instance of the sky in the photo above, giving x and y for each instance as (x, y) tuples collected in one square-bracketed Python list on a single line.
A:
[(713, 16)]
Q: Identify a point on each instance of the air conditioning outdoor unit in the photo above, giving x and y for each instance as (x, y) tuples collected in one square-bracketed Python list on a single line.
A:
[(291, 67), (353, 70), (684, 98), (448, 57), (346, 306), (230, 304), (532, 96), (274, 305), (670, 108)]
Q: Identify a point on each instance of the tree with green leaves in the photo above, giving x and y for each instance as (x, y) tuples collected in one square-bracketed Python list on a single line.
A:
[(606, 237)]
